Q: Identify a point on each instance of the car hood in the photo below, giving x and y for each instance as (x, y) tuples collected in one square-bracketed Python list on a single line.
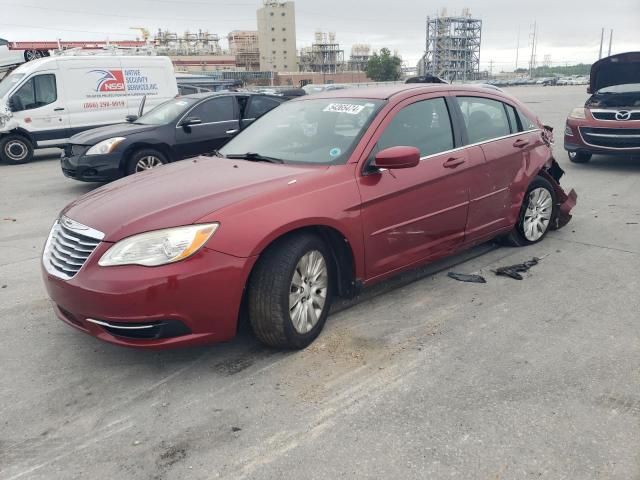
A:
[(179, 194), (95, 135), (615, 70)]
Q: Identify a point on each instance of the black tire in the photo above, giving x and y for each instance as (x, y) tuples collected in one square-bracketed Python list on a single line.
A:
[(579, 157), (15, 149), (517, 237), (270, 286), (135, 160), (30, 55)]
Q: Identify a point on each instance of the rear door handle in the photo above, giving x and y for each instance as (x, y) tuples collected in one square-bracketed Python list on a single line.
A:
[(59, 109), (453, 162), (520, 143)]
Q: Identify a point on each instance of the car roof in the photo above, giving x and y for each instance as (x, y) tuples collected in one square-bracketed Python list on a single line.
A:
[(404, 90), (203, 95)]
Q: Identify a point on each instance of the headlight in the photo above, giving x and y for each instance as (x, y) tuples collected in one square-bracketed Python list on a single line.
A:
[(578, 113), (568, 131), (105, 146), (161, 247)]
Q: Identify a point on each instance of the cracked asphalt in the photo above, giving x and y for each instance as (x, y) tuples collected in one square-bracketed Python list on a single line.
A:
[(421, 377)]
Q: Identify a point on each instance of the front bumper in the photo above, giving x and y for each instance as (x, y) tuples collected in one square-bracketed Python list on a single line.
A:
[(93, 168), (611, 138), (188, 303)]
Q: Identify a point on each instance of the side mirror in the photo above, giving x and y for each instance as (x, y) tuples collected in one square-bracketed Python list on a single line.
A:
[(187, 122), (15, 104), (398, 157), (131, 118)]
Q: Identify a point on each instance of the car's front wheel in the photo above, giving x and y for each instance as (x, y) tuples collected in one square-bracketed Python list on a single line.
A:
[(146, 159), (579, 157), (15, 149), (290, 292), (536, 214)]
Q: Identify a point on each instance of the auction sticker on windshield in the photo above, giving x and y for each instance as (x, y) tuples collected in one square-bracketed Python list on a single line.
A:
[(344, 108)]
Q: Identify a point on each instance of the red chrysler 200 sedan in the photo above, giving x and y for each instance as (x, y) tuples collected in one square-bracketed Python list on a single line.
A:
[(320, 197)]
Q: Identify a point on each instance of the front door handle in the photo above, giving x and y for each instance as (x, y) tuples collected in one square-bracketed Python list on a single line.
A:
[(453, 162), (232, 132), (59, 109), (520, 143)]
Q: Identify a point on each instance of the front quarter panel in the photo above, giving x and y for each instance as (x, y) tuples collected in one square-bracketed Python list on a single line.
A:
[(330, 199)]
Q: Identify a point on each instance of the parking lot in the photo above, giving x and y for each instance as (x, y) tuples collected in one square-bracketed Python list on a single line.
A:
[(424, 377)]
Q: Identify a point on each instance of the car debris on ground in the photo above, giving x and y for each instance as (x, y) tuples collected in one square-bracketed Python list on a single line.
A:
[(514, 271), (463, 277)]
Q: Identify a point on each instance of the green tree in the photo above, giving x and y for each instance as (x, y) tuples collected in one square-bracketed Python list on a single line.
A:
[(384, 67)]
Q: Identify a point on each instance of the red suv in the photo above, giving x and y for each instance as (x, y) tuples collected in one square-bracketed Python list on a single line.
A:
[(320, 197), (609, 123)]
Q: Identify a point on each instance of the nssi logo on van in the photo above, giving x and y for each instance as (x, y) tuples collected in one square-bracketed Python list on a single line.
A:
[(110, 81)]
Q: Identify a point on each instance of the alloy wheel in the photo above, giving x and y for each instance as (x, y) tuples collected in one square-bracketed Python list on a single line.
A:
[(147, 163), (538, 214), (308, 292)]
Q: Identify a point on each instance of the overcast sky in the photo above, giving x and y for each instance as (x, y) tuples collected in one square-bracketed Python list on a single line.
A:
[(569, 30)]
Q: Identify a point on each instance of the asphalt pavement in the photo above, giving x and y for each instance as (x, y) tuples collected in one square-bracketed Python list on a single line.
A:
[(421, 378)]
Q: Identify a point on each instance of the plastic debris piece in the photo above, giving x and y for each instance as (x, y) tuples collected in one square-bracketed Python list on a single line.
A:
[(463, 277), (514, 271)]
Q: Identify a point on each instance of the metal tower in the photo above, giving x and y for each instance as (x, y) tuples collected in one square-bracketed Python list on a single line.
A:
[(453, 46)]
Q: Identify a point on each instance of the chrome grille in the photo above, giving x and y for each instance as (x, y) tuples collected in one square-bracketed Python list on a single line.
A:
[(612, 138), (68, 247), (616, 115)]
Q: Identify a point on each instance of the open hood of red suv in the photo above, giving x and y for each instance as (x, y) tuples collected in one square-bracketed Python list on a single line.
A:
[(615, 70)]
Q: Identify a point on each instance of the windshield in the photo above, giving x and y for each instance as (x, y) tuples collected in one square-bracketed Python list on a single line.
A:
[(319, 131), (8, 83), (624, 88), (166, 112)]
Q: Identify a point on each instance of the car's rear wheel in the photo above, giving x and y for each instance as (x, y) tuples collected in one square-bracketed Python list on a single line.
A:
[(143, 160), (579, 157), (15, 149), (536, 214), (290, 292)]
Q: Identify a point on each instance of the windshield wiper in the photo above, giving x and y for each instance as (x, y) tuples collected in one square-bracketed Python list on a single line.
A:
[(253, 157)]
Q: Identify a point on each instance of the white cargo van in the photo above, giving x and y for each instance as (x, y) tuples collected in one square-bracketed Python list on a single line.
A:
[(46, 101)]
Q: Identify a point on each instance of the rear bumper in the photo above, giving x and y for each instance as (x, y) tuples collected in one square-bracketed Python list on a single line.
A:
[(93, 168)]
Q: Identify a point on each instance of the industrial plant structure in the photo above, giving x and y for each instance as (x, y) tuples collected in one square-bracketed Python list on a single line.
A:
[(243, 44), (359, 59), (277, 36), (452, 47), (188, 43), (324, 55)]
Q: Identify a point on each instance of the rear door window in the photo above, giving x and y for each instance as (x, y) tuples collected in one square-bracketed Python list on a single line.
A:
[(527, 123), (425, 125), (513, 119), (215, 110), (259, 105), (484, 118)]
